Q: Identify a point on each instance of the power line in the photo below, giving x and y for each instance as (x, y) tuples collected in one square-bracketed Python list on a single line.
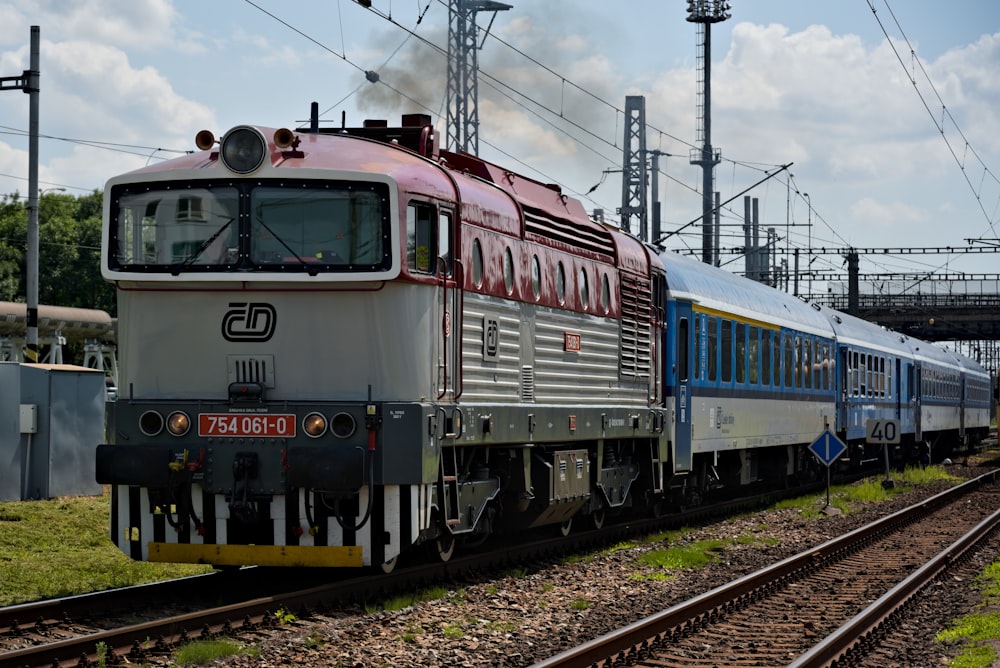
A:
[(111, 146), (944, 110)]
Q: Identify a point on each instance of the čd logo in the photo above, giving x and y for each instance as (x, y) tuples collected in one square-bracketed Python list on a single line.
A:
[(249, 321)]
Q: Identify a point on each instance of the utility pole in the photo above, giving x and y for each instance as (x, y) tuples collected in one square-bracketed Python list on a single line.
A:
[(809, 258), (29, 83), (853, 289), (705, 13), (654, 157), (463, 71)]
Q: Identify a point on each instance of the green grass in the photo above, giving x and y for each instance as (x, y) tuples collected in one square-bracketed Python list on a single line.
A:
[(404, 601), (203, 652), (60, 547), (848, 498), (689, 555), (976, 630)]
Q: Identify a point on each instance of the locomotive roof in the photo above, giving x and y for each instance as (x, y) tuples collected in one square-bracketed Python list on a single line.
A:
[(317, 152), (721, 290), (490, 194)]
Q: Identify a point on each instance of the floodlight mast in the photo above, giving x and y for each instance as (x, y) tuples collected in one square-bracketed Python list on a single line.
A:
[(705, 13), (463, 72)]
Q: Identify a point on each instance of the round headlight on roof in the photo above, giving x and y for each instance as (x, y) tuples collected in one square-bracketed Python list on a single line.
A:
[(243, 149)]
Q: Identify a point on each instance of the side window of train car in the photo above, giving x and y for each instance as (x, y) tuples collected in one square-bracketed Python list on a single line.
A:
[(861, 388), (807, 363), (871, 376), (712, 347), (697, 348), (445, 250), (798, 361), (789, 361), (776, 358), (420, 243), (825, 368), (765, 357), (881, 376), (682, 350), (741, 353), (727, 351), (754, 355)]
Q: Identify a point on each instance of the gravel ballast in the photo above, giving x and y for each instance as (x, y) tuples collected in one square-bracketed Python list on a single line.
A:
[(525, 617)]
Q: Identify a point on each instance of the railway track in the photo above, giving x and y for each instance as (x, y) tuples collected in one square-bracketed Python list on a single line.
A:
[(827, 606), (124, 623), (69, 632)]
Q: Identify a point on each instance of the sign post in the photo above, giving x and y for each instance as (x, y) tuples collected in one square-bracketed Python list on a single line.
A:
[(885, 432), (828, 449)]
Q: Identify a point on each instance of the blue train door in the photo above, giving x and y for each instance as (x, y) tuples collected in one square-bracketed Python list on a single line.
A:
[(844, 390), (682, 387), (898, 389), (916, 390)]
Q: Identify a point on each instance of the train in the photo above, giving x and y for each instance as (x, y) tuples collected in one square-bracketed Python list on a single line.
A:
[(342, 345)]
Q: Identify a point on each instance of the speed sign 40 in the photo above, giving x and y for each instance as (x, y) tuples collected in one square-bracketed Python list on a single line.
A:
[(882, 431)]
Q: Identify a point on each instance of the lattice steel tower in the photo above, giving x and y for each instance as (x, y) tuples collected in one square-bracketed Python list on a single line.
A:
[(634, 165), (463, 71), (705, 13)]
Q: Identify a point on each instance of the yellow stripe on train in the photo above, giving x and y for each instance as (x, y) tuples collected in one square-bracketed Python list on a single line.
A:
[(257, 555)]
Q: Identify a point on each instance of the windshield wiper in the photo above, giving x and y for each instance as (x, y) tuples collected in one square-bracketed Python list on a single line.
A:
[(175, 270), (310, 269)]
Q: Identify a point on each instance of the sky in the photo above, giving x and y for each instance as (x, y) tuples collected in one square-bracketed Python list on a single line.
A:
[(886, 111)]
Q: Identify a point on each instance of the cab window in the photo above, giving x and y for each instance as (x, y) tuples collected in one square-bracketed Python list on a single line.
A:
[(420, 241)]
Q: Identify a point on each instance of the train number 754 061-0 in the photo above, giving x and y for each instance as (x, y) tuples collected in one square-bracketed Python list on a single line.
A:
[(223, 424)]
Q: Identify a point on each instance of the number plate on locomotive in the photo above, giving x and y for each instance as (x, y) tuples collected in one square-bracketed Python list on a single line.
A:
[(226, 424)]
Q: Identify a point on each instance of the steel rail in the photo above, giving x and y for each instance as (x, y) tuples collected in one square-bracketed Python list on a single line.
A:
[(636, 638), (873, 619)]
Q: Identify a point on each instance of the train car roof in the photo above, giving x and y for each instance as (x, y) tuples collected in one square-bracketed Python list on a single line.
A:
[(931, 352), (970, 365), (851, 330), (720, 290)]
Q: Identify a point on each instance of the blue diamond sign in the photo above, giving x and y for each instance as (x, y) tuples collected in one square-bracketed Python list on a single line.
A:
[(828, 448)]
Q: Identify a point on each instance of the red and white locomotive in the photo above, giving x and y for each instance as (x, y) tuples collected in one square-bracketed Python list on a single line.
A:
[(337, 345)]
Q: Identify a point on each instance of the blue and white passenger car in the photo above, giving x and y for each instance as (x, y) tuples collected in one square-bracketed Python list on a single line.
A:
[(874, 380), (750, 376)]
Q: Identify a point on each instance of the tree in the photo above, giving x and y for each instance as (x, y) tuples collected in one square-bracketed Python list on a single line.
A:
[(69, 251)]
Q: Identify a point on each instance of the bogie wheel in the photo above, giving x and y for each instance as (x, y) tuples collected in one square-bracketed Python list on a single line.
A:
[(597, 517), (443, 546), (389, 566), (566, 527)]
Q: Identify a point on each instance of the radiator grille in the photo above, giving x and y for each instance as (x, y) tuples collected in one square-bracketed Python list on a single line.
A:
[(637, 314), (252, 369), (527, 383)]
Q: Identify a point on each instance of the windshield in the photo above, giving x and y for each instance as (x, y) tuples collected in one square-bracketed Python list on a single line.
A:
[(333, 227), (177, 227), (309, 226)]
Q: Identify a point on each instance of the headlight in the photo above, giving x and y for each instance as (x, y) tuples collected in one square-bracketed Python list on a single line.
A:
[(243, 149), (343, 425), (314, 424), (178, 423), (151, 423)]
